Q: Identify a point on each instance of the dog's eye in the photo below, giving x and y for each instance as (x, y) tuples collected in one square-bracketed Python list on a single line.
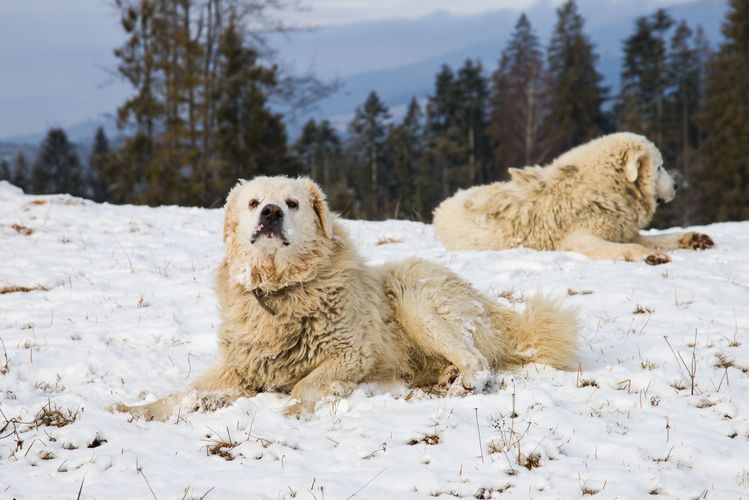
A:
[(293, 204), (254, 203)]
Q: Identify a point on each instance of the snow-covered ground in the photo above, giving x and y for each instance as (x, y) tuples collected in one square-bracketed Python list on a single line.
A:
[(125, 312)]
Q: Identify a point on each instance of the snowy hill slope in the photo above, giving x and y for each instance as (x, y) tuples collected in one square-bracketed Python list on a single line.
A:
[(124, 311)]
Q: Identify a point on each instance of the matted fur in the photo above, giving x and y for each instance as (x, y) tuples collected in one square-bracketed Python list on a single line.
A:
[(593, 199), (331, 322)]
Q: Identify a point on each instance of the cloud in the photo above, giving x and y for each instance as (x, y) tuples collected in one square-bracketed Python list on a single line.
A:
[(325, 12)]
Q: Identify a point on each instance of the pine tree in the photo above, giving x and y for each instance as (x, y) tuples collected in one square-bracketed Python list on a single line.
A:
[(368, 129), (251, 139), (724, 180), (680, 136), (519, 102), (5, 174), (99, 162), (199, 117), (319, 149), (472, 97), (576, 91), (329, 153), (644, 78), (442, 132), (405, 148), (21, 174), (305, 149), (141, 112), (57, 168)]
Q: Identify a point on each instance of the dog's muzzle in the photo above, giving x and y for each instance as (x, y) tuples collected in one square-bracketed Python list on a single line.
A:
[(270, 224)]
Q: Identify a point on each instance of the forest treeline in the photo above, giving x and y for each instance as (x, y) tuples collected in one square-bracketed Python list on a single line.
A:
[(201, 116)]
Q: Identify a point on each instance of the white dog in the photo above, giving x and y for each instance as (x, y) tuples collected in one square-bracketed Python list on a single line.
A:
[(593, 199), (301, 313)]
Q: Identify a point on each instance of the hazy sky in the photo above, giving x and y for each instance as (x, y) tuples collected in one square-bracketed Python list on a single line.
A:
[(56, 55)]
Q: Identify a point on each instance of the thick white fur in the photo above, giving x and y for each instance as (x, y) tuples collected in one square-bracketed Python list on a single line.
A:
[(593, 199), (339, 322)]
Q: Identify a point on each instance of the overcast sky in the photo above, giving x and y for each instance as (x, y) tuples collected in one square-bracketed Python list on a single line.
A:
[(55, 54)]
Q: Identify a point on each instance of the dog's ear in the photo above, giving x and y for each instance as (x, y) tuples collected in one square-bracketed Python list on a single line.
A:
[(230, 218), (634, 161), (320, 206)]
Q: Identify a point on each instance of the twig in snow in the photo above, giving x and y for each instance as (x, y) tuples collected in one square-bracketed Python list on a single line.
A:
[(478, 430), (80, 490), (366, 484), (140, 471)]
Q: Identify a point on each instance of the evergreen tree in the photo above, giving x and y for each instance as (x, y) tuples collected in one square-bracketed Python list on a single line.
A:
[(472, 97), (199, 117), (305, 148), (576, 92), (99, 162), (251, 139), (21, 175), (141, 112), (319, 150), (518, 103), (724, 180), (410, 180), (328, 152), (5, 173), (644, 78), (368, 129), (442, 132), (57, 168), (680, 134)]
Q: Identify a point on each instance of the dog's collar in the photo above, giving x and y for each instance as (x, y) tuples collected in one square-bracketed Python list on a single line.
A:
[(261, 296)]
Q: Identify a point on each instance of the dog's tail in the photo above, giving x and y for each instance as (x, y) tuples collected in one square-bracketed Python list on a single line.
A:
[(546, 332)]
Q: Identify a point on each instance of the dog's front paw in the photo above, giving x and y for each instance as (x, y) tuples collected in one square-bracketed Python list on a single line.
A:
[(697, 241), (657, 258), (297, 409), (457, 383)]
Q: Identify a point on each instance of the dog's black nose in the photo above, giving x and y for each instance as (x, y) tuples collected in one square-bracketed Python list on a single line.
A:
[(271, 213)]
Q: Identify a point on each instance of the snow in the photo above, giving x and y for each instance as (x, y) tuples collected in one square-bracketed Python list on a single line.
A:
[(129, 314)]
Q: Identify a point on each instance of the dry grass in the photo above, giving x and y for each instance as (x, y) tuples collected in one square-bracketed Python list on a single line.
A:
[(678, 385), (428, 439), (648, 365), (531, 461), (98, 441), (488, 493), (640, 309), (220, 446), (388, 240), (584, 382), (22, 289), (705, 403), (51, 415), (24, 230), (5, 364)]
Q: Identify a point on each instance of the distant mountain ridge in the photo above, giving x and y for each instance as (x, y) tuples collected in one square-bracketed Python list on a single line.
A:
[(397, 85), (409, 52)]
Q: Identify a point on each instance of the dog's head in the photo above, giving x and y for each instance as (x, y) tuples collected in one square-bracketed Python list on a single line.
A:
[(643, 166), (276, 231)]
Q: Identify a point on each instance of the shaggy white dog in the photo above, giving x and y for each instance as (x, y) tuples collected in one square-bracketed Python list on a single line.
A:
[(593, 199), (301, 313)]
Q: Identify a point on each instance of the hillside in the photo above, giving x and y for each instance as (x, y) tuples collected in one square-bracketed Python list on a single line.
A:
[(121, 308)]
